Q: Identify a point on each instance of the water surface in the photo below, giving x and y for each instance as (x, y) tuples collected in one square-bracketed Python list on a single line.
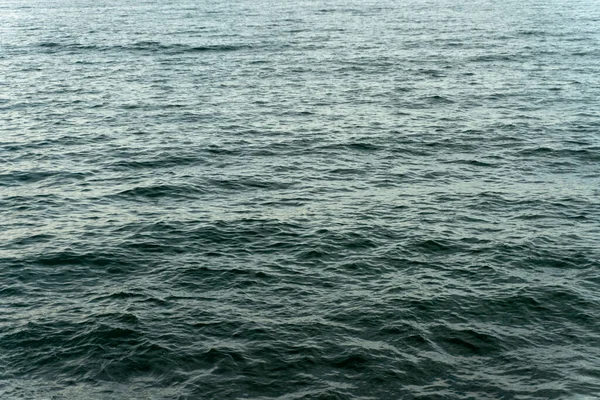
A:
[(299, 200)]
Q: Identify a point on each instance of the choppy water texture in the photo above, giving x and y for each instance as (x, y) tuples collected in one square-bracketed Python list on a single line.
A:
[(299, 200)]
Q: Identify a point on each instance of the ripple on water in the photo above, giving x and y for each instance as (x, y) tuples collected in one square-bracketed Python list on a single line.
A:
[(224, 201)]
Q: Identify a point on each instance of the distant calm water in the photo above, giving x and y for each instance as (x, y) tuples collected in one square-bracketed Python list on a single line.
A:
[(341, 199)]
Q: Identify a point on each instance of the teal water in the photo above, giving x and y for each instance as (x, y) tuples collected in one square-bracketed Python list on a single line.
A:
[(299, 200)]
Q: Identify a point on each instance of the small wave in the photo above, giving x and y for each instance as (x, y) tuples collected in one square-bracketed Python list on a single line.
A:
[(531, 32), (142, 46), (49, 44), (350, 146), (434, 73), (183, 48), (436, 246), (467, 342), (474, 163), (159, 161), (437, 99), (591, 154), (161, 191), (243, 183), (495, 58), (19, 178)]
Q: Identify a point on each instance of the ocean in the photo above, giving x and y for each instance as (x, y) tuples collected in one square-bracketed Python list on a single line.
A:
[(299, 200)]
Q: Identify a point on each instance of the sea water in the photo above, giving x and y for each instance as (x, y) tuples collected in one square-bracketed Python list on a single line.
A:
[(299, 199)]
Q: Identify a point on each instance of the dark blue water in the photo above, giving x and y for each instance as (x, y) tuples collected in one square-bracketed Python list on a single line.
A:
[(299, 200)]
